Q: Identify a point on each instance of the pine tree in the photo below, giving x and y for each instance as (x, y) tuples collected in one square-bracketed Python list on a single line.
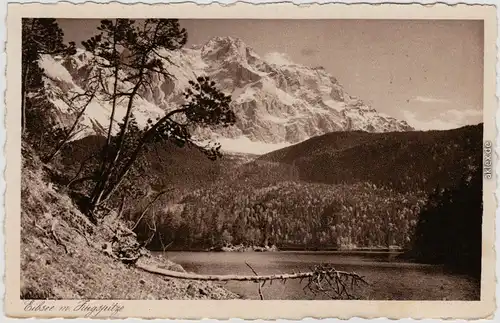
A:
[(134, 53)]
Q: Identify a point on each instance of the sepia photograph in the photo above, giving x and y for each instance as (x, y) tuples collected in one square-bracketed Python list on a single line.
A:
[(252, 159)]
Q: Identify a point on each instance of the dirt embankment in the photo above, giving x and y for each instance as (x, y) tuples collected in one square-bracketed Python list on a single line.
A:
[(62, 255)]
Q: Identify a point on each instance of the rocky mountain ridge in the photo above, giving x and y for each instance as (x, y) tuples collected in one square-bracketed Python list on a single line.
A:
[(277, 102)]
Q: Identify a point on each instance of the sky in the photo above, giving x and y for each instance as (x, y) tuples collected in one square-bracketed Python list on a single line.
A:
[(427, 72)]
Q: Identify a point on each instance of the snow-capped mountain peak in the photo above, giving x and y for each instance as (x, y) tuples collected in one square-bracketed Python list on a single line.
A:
[(277, 102)]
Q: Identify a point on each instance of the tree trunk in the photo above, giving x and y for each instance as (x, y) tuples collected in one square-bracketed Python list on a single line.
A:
[(57, 149), (137, 151), (24, 81), (253, 278), (97, 195), (23, 96), (104, 169), (115, 85), (132, 159)]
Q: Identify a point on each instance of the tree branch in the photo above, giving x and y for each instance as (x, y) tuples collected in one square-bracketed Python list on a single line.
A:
[(314, 277), (56, 237), (147, 208), (260, 285)]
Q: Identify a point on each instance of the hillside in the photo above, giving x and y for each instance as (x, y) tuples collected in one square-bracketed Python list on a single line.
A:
[(406, 161), (63, 254), (162, 165)]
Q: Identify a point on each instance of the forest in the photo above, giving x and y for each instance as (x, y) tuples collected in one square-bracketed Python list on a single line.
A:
[(292, 214)]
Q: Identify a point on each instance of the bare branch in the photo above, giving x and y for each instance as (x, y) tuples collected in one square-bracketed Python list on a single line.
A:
[(165, 58), (56, 237), (84, 235), (147, 208), (314, 278), (260, 285)]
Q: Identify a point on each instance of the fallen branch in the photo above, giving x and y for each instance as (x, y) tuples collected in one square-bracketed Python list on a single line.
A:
[(315, 278), (84, 235), (56, 237), (180, 275), (41, 229), (260, 285)]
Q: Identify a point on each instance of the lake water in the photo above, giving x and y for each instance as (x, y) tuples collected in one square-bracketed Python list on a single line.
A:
[(389, 277)]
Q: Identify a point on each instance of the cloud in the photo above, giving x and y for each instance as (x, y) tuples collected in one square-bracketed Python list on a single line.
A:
[(426, 99), (433, 124), (278, 58), (309, 51), (449, 119), (463, 114)]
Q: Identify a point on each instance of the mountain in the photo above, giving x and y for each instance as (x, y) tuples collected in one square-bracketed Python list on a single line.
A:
[(414, 160), (277, 102)]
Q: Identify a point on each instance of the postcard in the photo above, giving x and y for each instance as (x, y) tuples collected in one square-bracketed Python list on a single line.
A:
[(250, 161)]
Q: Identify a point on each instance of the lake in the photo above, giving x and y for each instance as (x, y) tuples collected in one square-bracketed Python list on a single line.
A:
[(389, 278)]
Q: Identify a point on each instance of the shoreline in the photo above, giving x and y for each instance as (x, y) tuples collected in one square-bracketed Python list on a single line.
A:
[(283, 250)]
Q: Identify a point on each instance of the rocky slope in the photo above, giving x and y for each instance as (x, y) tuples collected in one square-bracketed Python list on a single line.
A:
[(277, 102), (63, 256)]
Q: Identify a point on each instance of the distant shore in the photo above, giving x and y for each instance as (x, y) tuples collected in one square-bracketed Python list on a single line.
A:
[(284, 249)]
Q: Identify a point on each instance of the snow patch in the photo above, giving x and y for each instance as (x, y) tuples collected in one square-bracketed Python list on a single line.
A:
[(54, 70), (270, 87), (336, 105), (279, 59), (245, 94), (245, 145), (275, 119)]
